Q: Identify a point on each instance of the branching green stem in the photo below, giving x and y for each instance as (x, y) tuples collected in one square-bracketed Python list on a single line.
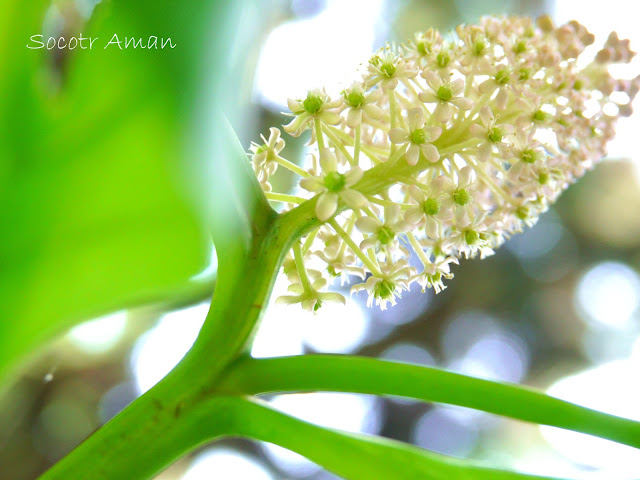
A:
[(372, 376)]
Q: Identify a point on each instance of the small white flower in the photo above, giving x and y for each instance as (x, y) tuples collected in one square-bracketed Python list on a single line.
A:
[(312, 298), (434, 273), (471, 239), (316, 105), (418, 137), (386, 68), (527, 156), (458, 196), (493, 135), (389, 285), (359, 103), (333, 186), (264, 156), (446, 95), (383, 233), (432, 208), (500, 80)]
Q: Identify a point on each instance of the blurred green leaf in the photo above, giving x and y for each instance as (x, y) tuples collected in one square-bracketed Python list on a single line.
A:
[(96, 192)]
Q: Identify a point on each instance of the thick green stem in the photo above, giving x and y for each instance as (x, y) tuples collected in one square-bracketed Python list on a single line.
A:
[(152, 426), (377, 377)]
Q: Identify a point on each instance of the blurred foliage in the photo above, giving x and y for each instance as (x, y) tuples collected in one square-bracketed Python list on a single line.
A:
[(96, 212)]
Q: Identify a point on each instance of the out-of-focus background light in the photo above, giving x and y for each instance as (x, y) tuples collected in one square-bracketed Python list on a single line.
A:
[(558, 308), (101, 334)]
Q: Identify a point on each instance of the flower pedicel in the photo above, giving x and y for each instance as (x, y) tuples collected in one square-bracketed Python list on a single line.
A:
[(445, 148)]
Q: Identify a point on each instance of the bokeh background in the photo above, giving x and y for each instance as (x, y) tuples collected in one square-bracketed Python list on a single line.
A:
[(558, 308)]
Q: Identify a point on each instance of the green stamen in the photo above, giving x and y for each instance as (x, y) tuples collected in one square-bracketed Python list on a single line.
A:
[(495, 134), (462, 197), (502, 77), (388, 69), (355, 99), (312, 104), (418, 136), (540, 116), (384, 290), (471, 237), (529, 156), (385, 235), (444, 93), (335, 181), (431, 206), (443, 59)]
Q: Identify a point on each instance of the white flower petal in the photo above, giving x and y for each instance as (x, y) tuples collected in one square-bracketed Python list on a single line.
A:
[(428, 97), (353, 198), (313, 184), (414, 215), (330, 118), (462, 103), (416, 193), (332, 297), (354, 117), (467, 176), (326, 206), (431, 227), (398, 135), (353, 176), (391, 214), (370, 242), (484, 151), (443, 184), (457, 86), (415, 118), (328, 160), (433, 133), (413, 154), (373, 111), (433, 80), (430, 152), (442, 113), (368, 224)]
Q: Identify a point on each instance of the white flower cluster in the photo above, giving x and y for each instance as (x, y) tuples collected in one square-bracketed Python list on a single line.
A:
[(444, 149)]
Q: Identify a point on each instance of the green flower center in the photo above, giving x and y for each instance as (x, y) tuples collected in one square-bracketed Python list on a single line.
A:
[(317, 305), (262, 148), (520, 47), (312, 104), (471, 237), (334, 181), (479, 47), (524, 74), (462, 197), (543, 178), (384, 290), (539, 116), (388, 69), (444, 93), (522, 213), (578, 85), (355, 99), (443, 59), (431, 206), (529, 156), (495, 134), (385, 235), (332, 271), (418, 136), (422, 48), (502, 77)]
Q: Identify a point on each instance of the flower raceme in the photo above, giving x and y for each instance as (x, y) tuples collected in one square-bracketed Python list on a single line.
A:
[(444, 149)]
